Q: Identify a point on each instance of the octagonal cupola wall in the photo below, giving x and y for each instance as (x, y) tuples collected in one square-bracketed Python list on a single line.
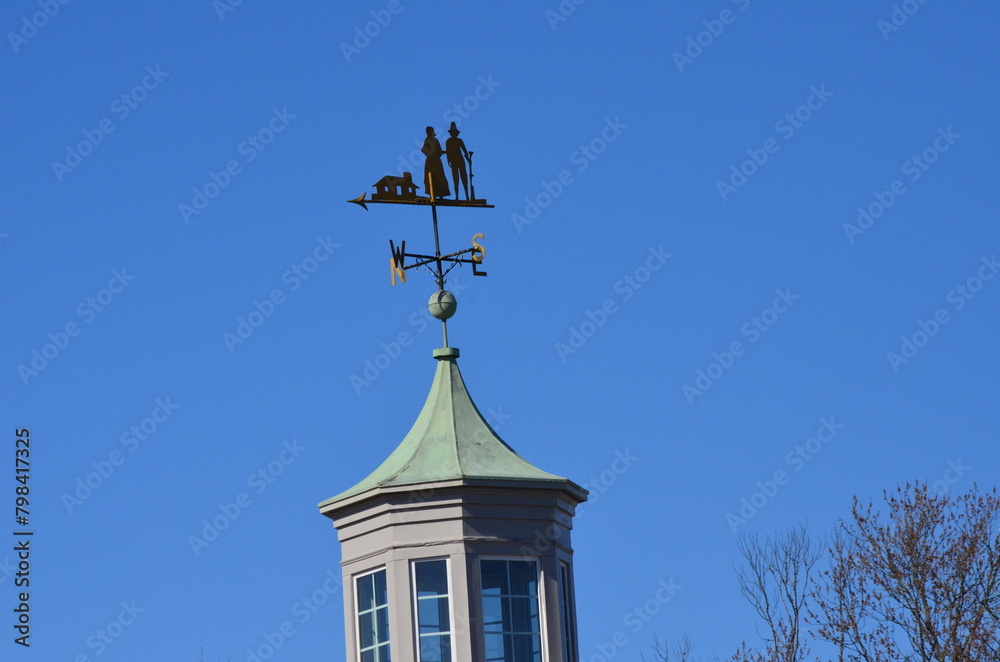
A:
[(456, 548)]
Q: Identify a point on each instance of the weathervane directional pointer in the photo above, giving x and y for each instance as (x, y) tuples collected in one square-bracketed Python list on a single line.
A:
[(401, 190)]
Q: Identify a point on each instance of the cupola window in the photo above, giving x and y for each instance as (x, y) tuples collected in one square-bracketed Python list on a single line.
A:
[(511, 621), (373, 617), (433, 610)]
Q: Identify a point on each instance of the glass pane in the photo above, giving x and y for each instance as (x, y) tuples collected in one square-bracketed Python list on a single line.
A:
[(432, 578), (383, 653), (495, 650), (365, 594), (381, 598), (445, 648), (565, 593), (492, 613), (366, 629), (526, 648), (523, 578), (508, 642), (568, 619), (494, 574), (510, 611), (432, 615), (430, 648), (368, 655), (382, 624), (523, 615)]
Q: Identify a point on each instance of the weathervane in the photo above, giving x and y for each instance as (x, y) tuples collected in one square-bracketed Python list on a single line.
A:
[(401, 190)]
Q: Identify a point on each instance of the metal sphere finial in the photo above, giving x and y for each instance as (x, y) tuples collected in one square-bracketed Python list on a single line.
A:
[(442, 304)]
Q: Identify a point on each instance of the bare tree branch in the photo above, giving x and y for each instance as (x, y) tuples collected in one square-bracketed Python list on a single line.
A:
[(919, 583), (776, 578)]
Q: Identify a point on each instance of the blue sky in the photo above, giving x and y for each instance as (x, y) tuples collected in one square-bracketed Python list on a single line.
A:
[(798, 200)]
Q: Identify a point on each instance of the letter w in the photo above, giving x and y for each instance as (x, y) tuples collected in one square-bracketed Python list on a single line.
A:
[(396, 262)]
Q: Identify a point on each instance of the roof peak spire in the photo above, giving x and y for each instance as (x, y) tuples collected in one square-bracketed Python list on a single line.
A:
[(450, 440)]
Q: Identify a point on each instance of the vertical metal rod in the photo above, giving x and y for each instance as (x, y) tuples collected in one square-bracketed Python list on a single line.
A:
[(437, 254), (437, 245)]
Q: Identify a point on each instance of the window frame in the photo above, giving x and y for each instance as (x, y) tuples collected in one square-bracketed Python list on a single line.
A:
[(416, 606), (567, 611), (540, 597), (357, 614)]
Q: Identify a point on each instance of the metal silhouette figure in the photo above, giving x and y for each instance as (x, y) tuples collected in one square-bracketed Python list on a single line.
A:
[(435, 183), (457, 154), (402, 189)]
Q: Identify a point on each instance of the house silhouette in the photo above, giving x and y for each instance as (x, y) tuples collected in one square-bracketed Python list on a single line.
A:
[(392, 187)]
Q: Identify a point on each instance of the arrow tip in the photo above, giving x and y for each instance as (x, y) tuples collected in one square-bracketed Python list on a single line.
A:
[(360, 200)]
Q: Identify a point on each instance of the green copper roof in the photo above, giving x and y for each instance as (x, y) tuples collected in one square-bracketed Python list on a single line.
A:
[(449, 440)]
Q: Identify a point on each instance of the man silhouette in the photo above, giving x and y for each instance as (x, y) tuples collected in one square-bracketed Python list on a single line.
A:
[(454, 148)]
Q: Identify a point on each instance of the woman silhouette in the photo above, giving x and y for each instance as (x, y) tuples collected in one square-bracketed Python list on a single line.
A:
[(435, 182)]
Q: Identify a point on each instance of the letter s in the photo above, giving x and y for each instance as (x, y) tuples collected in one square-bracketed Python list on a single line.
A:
[(247, 151), (86, 313), (956, 300), (910, 168), (478, 251), (624, 290), (291, 279), (746, 330), (118, 107), (254, 480), (300, 611), (129, 441)]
